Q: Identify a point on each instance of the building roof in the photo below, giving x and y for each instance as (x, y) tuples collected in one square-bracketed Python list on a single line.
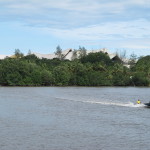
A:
[(70, 54)]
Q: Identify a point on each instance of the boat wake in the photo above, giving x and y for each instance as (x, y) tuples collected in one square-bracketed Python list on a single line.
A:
[(129, 104)]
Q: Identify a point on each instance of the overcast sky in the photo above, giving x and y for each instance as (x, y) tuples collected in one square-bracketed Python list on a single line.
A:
[(41, 25)]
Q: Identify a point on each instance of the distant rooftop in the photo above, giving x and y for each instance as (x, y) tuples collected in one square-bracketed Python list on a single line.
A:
[(70, 54)]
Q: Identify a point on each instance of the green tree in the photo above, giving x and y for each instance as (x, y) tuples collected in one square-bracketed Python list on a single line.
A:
[(18, 53), (96, 57), (139, 79), (58, 52), (82, 52), (47, 78), (61, 75), (132, 60)]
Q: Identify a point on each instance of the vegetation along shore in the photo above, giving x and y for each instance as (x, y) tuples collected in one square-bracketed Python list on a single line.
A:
[(92, 69)]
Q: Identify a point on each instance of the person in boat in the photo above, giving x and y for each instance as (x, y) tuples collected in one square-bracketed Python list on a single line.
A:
[(138, 101)]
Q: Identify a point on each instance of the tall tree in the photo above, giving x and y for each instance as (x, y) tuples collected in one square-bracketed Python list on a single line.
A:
[(58, 52), (82, 52), (18, 53), (132, 60), (29, 52)]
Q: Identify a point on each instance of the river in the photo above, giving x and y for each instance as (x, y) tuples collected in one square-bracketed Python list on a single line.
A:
[(74, 118)]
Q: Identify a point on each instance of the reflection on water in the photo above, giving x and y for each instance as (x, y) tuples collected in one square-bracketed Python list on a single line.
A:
[(73, 118)]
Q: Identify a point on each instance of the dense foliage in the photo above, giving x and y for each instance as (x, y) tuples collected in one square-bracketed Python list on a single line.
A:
[(94, 69)]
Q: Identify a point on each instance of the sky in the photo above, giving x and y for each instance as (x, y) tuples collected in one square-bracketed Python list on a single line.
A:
[(42, 25)]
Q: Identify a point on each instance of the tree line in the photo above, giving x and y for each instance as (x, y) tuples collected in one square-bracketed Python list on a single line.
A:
[(93, 69)]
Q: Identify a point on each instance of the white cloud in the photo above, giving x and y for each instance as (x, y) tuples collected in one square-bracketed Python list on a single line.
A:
[(85, 21), (108, 31), (140, 2), (135, 46), (128, 35), (69, 13)]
